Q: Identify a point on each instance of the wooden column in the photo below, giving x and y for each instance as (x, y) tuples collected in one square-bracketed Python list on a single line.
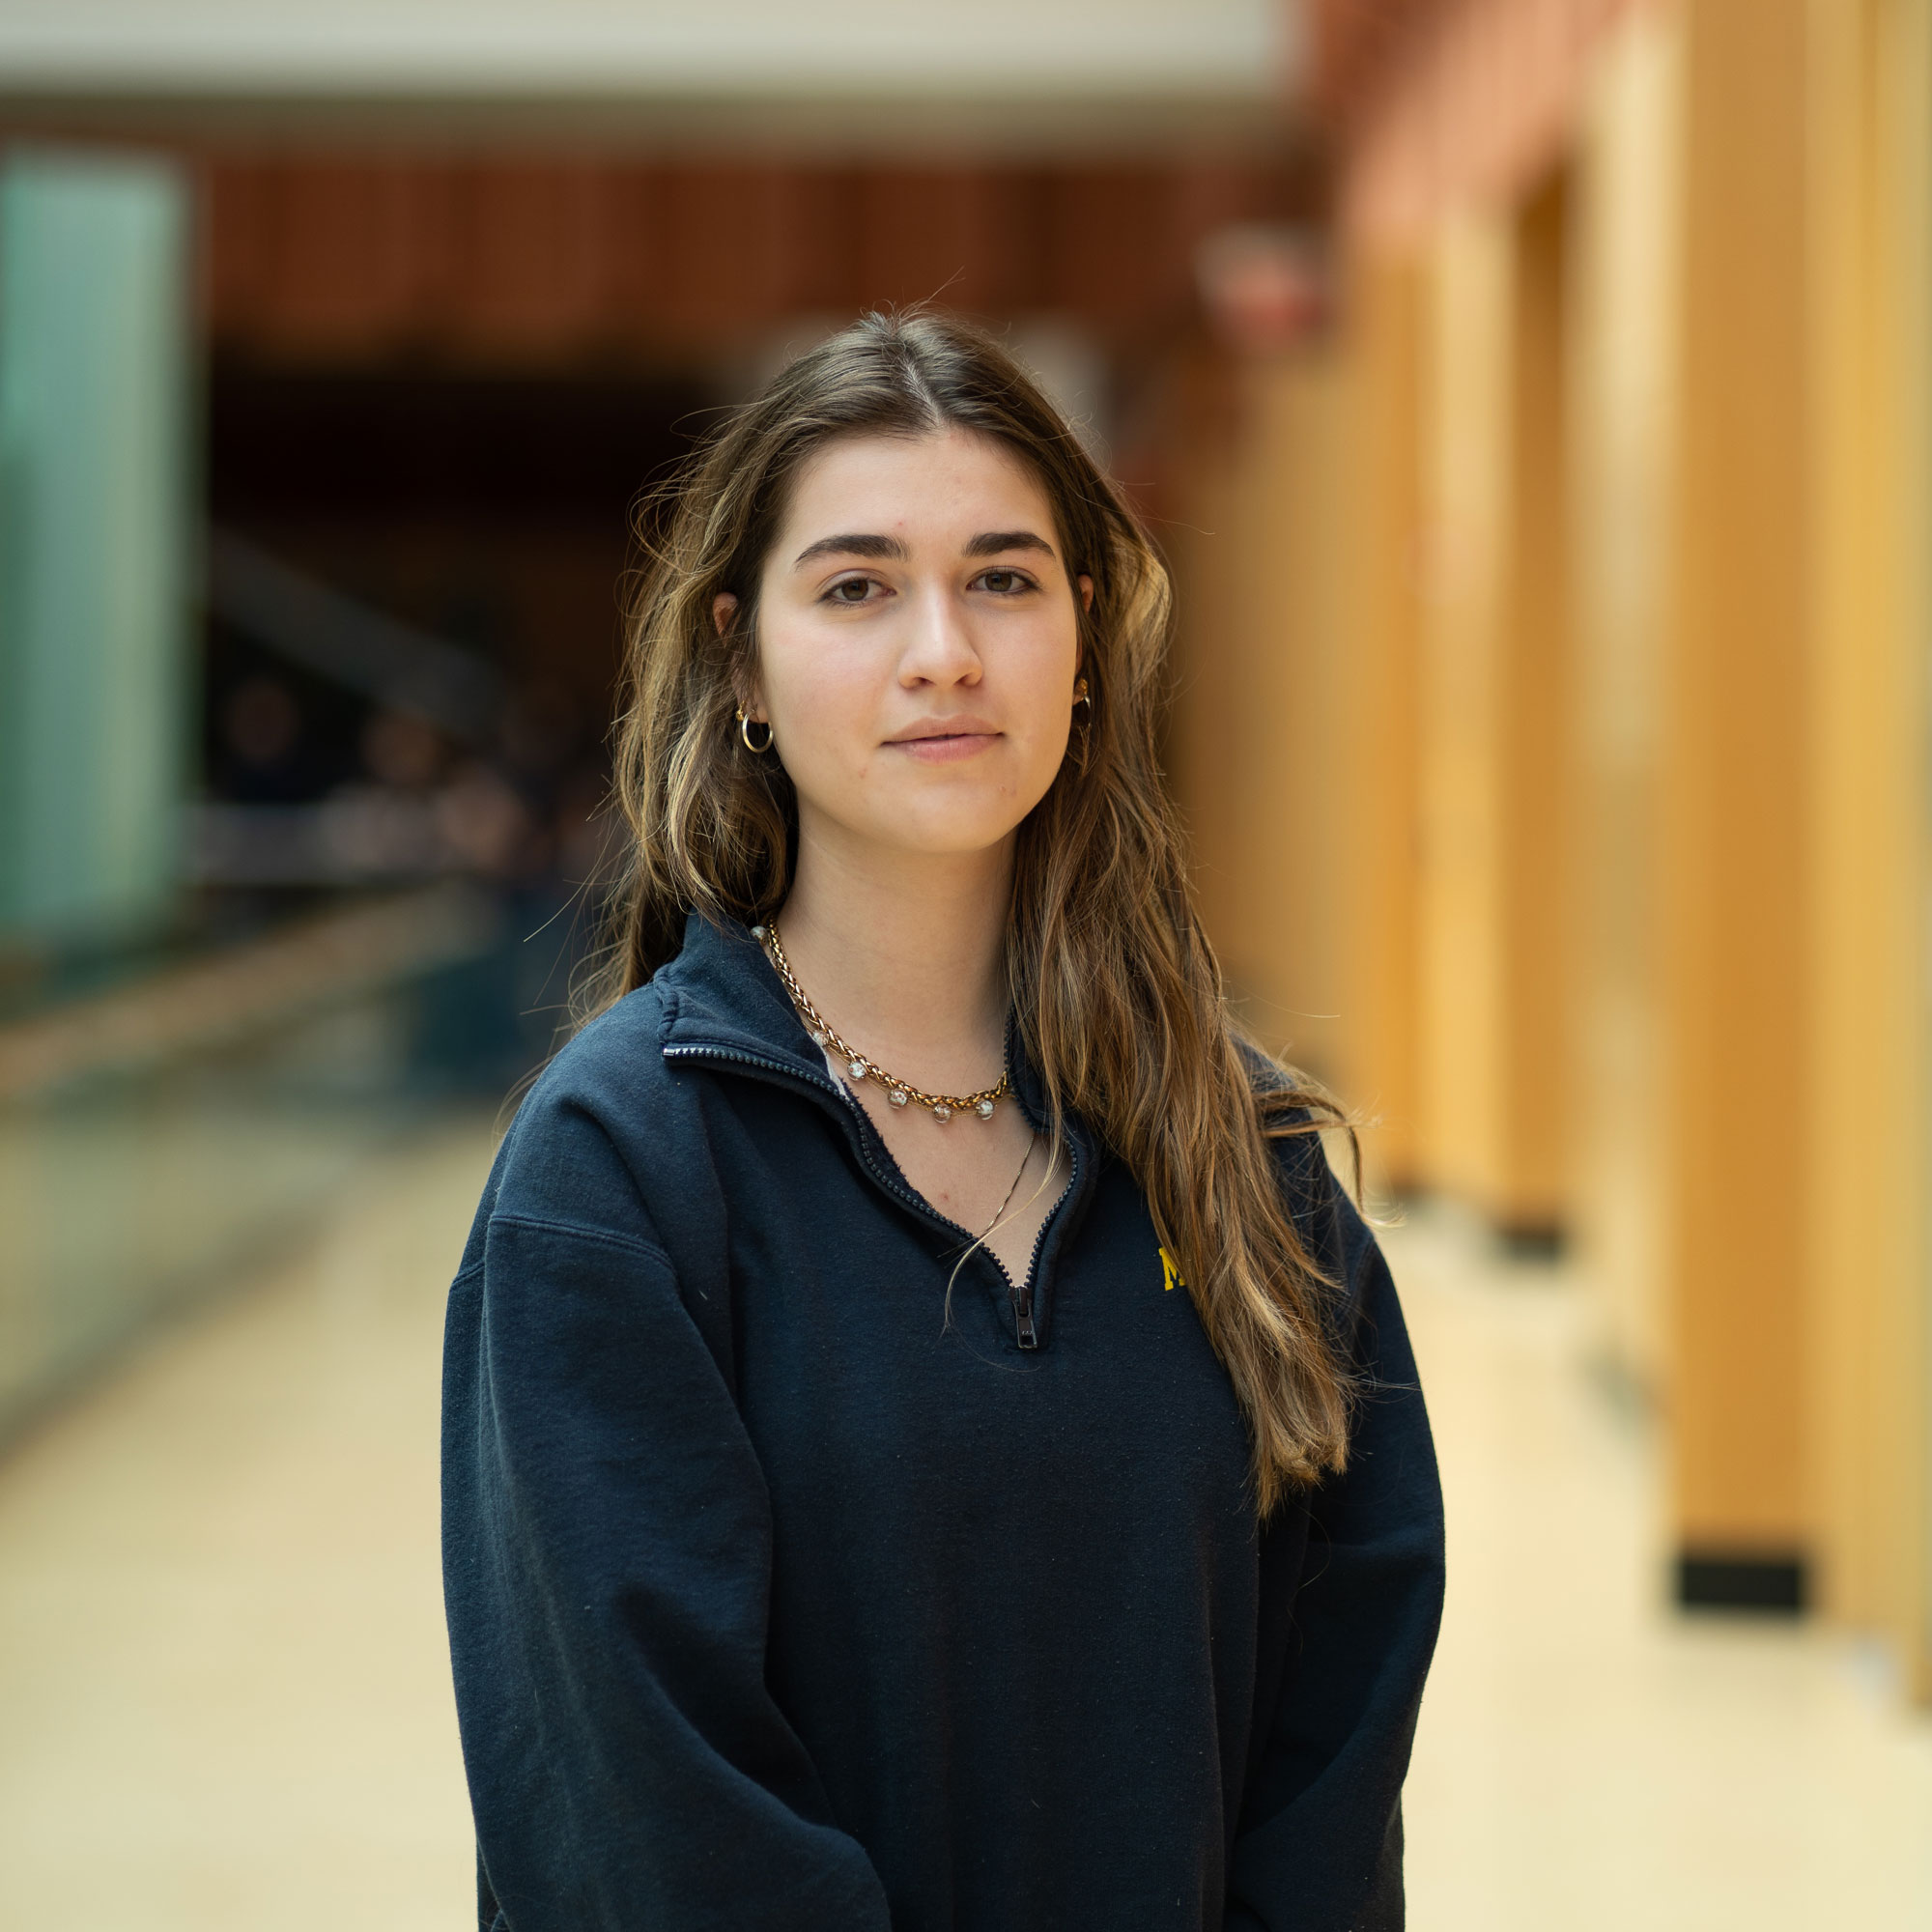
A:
[(1497, 740), (1870, 65), (1466, 493), (1531, 1199), (1259, 756), (1375, 827), (1738, 1094)]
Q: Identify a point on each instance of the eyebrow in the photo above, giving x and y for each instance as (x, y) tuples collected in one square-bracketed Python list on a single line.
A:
[(988, 543), (852, 546)]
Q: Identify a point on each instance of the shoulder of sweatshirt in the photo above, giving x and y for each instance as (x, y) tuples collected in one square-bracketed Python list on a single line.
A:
[(601, 1118)]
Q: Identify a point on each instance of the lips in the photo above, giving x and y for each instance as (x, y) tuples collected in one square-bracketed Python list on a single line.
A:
[(964, 725), (943, 741)]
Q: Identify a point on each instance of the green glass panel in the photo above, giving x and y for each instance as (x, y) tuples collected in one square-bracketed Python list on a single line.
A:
[(94, 474)]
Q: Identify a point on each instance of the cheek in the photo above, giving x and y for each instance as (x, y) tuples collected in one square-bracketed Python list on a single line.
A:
[(822, 696), (1045, 675)]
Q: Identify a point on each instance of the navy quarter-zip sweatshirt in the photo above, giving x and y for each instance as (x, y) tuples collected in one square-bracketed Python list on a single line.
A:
[(785, 1597)]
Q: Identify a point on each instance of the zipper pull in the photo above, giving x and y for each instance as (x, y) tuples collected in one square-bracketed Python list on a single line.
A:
[(1022, 1316)]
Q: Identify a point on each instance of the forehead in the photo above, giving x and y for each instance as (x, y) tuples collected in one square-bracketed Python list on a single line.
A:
[(950, 483)]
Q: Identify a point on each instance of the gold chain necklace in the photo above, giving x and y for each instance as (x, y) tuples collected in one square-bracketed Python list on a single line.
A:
[(901, 1093)]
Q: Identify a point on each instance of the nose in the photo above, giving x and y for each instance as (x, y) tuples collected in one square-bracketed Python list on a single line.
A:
[(939, 649)]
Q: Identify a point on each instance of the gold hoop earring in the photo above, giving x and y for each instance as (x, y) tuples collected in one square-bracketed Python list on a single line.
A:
[(1082, 696), (745, 733)]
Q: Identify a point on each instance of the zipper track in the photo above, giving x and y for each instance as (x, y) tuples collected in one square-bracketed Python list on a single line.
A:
[(1018, 1294)]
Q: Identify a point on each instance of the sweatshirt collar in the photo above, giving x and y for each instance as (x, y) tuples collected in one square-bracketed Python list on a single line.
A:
[(720, 993), (723, 994)]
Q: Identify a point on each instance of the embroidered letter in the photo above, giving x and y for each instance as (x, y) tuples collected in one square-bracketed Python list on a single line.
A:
[(1171, 1275)]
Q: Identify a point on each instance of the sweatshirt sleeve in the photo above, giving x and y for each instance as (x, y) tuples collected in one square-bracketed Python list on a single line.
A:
[(606, 1557), (1320, 1844)]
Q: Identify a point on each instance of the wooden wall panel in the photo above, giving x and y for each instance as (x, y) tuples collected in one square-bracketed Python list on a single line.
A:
[(1112, 247), (529, 261), (945, 231), (354, 255), (716, 251), (534, 247)]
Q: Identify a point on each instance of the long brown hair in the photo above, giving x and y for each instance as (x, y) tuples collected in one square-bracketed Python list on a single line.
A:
[(1116, 991)]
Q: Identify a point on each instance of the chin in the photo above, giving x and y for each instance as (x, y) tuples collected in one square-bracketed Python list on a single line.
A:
[(949, 841), (950, 828)]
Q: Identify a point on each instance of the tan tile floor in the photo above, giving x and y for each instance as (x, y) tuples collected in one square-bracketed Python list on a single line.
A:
[(224, 1702), (1588, 1759)]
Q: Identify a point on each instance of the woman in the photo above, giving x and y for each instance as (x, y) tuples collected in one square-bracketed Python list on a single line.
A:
[(927, 1443)]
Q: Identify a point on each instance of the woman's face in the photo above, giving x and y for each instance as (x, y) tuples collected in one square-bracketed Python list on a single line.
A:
[(917, 643)]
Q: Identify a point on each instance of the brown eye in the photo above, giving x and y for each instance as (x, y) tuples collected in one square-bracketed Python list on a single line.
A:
[(1003, 582), (850, 590)]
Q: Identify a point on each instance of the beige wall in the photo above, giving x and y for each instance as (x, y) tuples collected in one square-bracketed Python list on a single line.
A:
[(1623, 385)]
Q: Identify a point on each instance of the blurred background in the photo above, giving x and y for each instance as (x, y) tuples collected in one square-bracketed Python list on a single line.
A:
[(1531, 397)]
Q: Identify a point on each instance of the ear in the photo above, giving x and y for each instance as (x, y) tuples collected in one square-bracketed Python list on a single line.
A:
[(723, 607), (1085, 584)]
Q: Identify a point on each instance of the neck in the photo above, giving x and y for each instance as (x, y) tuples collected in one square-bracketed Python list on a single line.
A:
[(903, 955)]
